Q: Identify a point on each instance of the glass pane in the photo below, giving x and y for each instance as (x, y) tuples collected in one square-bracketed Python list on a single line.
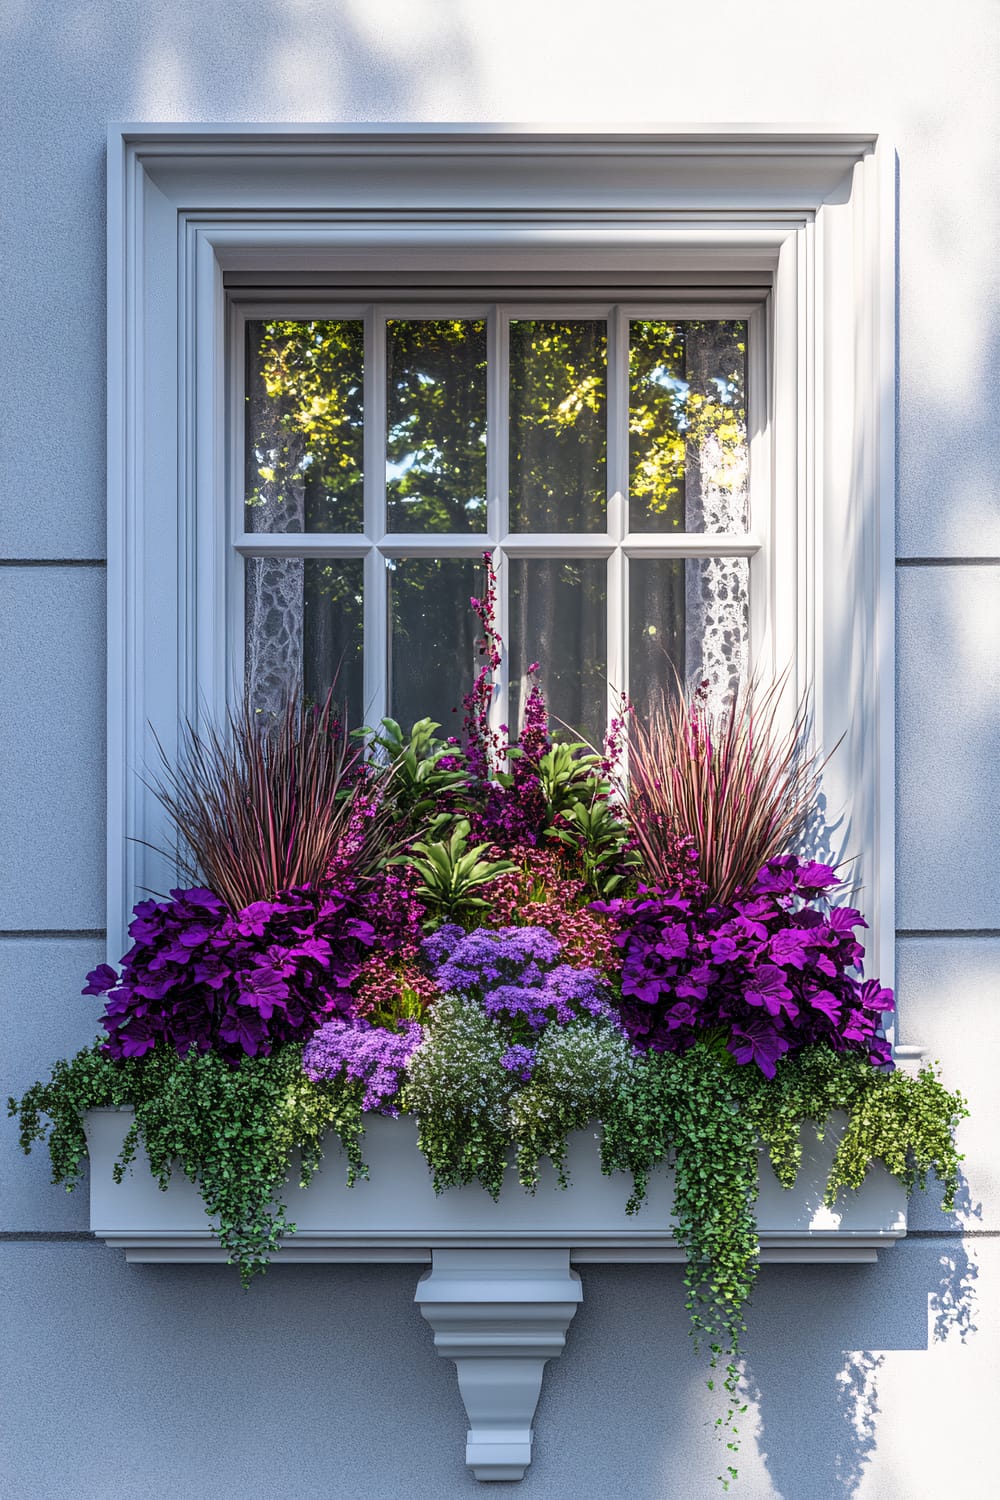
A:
[(558, 426), (436, 425), (688, 455), (303, 425), (558, 618), (689, 619), (304, 630), (333, 634), (656, 648), (432, 638)]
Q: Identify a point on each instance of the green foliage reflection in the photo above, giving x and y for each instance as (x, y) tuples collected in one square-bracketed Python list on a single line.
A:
[(558, 427), (304, 437), (436, 425), (687, 424)]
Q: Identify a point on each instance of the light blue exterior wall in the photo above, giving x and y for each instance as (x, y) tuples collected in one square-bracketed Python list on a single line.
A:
[(869, 1383)]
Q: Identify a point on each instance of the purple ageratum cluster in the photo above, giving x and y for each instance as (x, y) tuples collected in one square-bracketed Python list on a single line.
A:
[(771, 971), (198, 976), (515, 973), (520, 1061), (372, 1054)]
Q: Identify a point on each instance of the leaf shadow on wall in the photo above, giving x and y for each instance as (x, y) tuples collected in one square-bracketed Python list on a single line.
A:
[(818, 1341)]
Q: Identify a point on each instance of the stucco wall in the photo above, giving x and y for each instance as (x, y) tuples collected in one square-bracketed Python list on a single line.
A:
[(147, 1382)]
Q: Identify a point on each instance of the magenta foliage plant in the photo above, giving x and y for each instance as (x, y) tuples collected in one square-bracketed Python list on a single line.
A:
[(772, 972), (238, 983)]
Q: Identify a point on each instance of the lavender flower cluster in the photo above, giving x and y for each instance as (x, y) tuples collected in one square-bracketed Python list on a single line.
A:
[(770, 972), (514, 977), (199, 976), (373, 1054), (515, 973)]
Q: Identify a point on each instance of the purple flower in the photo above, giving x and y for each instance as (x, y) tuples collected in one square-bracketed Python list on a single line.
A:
[(767, 988), (771, 972), (441, 944), (827, 1003), (100, 980), (198, 976), (874, 997), (815, 877), (372, 1054), (485, 958), (760, 1044), (778, 876), (791, 946), (262, 988), (520, 1060)]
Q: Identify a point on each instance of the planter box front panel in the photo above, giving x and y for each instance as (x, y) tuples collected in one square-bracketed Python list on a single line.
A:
[(395, 1215)]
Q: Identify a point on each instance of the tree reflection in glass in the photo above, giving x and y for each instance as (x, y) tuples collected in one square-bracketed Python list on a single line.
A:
[(688, 459), (436, 425), (558, 426), (304, 443), (558, 618), (432, 638)]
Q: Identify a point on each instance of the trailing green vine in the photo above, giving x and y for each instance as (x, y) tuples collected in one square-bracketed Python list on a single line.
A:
[(705, 1116), (231, 1131)]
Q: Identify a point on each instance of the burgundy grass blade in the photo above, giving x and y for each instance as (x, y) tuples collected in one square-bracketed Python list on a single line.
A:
[(734, 781), (269, 801)]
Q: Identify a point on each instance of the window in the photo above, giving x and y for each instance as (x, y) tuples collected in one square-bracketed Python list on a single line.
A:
[(569, 443), (456, 268)]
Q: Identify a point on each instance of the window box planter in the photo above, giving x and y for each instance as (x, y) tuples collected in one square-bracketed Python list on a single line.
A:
[(395, 1215), (501, 1291)]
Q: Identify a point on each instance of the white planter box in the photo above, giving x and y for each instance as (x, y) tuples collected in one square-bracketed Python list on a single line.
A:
[(395, 1214), (501, 1293)]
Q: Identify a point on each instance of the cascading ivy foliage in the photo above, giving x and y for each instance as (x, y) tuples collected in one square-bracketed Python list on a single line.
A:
[(502, 941)]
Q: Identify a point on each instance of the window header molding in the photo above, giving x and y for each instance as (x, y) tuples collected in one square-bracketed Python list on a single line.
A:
[(801, 219)]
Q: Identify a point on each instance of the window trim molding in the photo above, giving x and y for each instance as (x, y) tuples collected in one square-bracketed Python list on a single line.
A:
[(815, 209)]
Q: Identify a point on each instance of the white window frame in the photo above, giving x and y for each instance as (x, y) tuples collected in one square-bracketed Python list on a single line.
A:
[(800, 223), (616, 545)]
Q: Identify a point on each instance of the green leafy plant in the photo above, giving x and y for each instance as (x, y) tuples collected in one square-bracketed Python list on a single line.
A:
[(231, 1131), (703, 1115), (451, 872), (420, 782), (567, 774), (594, 833)]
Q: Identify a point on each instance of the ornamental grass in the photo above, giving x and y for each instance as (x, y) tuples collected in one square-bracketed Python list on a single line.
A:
[(273, 802), (733, 784)]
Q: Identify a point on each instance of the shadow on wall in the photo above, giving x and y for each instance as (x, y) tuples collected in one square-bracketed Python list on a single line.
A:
[(816, 1348), (294, 60)]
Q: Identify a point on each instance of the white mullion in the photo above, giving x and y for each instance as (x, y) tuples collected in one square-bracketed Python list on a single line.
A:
[(496, 408), (301, 544), (557, 544), (692, 544), (761, 645), (435, 544), (617, 589), (376, 584), (498, 440), (236, 586)]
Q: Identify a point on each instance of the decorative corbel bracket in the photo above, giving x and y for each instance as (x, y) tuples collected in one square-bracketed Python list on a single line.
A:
[(499, 1314)]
